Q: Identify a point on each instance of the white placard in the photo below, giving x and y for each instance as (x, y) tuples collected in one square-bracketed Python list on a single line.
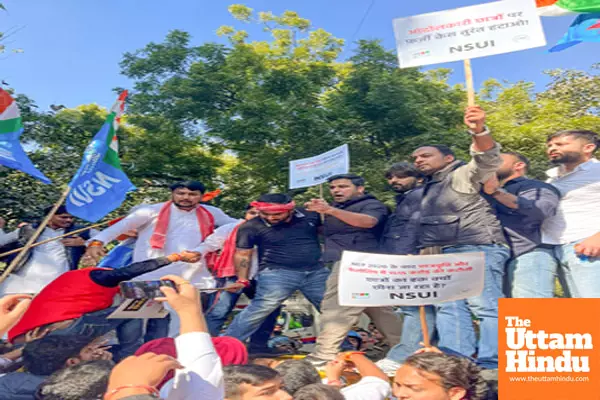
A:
[(372, 280), (139, 308), (315, 170), (469, 32)]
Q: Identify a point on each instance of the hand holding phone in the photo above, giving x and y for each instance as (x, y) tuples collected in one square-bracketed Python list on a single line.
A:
[(145, 289)]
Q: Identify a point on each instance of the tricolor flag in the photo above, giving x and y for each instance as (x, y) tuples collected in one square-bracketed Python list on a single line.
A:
[(585, 28), (12, 154), (553, 8), (100, 185)]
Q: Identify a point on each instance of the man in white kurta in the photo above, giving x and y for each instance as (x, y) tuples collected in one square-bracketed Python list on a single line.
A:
[(183, 232)]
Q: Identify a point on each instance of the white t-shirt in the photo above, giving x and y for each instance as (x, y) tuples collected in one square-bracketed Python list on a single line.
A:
[(578, 214), (368, 388)]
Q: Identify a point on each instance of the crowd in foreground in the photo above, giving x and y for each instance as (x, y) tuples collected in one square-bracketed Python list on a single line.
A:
[(531, 232)]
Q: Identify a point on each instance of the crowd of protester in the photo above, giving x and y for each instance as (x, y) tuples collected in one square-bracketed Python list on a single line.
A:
[(62, 344)]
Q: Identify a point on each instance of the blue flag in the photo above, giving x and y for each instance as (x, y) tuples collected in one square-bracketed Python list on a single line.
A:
[(100, 185), (12, 154), (585, 28)]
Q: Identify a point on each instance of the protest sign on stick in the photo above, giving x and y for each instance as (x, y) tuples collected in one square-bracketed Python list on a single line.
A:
[(377, 280), (469, 32), (316, 170)]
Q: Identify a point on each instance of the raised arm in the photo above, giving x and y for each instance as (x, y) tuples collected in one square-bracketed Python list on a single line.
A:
[(359, 220)]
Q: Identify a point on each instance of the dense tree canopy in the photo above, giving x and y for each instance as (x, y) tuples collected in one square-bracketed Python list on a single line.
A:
[(234, 114)]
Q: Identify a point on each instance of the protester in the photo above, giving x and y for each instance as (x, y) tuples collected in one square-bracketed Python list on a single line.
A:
[(522, 205), (373, 385), (290, 260), (222, 304), (435, 376), (318, 391), (353, 222), (180, 224), (79, 302), (11, 357), (44, 263), (573, 233), (400, 237), (296, 374), (84, 381), (456, 218), (43, 357), (249, 382)]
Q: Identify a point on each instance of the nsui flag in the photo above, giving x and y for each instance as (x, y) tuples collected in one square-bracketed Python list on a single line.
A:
[(100, 185), (11, 128)]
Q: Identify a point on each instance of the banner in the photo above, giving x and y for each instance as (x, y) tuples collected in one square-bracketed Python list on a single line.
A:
[(315, 170), (374, 280), (100, 185), (469, 32)]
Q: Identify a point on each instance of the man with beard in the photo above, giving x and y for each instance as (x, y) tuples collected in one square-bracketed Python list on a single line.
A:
[(289, 256), (522, 205), (180, 224), (573, 233), (400, 237), (353, 222), (456, 218)]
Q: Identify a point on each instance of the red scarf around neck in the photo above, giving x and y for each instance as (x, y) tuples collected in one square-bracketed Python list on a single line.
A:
[(224, 266), (206, 222)]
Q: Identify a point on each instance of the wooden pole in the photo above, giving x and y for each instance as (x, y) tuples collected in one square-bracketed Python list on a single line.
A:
[(469, 83), (56, 238), (424, 328), (35, 235), (322, 197)]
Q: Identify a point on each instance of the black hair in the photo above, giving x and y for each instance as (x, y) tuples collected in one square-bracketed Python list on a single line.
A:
[(318, 391), (403, 170), (296, 374), (251, 374), (588, 136), (359, 330), (355, 179), (191, 185), (60, 210), (445, 150), (521, 158), (84, 381), (49, 354), (453, 372), (276, 198)]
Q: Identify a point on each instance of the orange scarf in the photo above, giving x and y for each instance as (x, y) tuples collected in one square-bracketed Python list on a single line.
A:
[(206, 222)]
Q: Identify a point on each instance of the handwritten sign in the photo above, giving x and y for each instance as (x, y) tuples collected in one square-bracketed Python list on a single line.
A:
[(469, 32), (373, 280), (315, 170)]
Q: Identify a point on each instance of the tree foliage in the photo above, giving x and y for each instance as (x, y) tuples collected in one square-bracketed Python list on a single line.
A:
[(233, 114)]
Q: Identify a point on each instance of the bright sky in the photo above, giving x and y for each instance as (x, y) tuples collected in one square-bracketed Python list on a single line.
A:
[(72, 47)]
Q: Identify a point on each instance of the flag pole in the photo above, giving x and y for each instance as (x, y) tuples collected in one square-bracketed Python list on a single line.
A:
[(76, 231), (321, 196), (35, 235)]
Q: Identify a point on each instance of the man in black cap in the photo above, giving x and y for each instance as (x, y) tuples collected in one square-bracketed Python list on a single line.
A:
[(354, 222), (42, 264), (180, 224)]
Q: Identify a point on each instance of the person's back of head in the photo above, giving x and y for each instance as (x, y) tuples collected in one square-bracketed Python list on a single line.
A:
[(249, 381), (296, 374), (318, 391), (275, 198), (51, 353), (83, 381)]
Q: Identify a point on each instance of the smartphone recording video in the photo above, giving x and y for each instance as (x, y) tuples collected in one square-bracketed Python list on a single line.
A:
[(144, 289)]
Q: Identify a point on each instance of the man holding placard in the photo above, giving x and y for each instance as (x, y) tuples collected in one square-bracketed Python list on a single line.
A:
[(456, 218), (353, 222)]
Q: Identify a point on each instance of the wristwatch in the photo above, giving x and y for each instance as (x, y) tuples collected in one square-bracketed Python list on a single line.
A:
[(486, 131)]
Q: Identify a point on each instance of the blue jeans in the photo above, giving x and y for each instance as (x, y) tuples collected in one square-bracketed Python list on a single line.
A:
[(274, 286), (411, 332), (95, 324), (532, 275), (453, 319), (580, 276), (222, 304)]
